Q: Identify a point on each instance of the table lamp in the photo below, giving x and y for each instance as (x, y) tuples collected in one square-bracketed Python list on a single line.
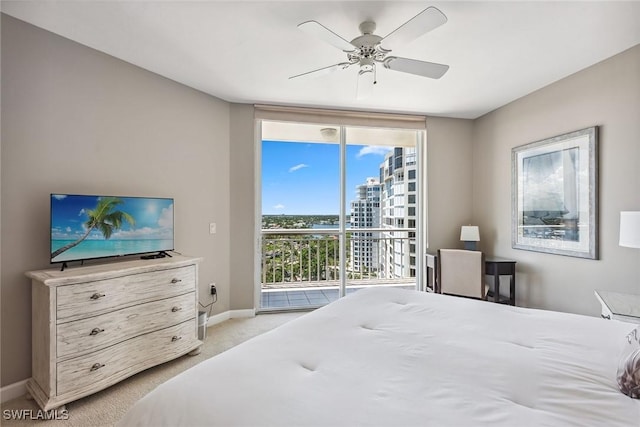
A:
[(470, 234), (630, 229)]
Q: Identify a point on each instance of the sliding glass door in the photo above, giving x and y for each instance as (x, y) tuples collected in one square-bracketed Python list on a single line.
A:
[(341, 209)]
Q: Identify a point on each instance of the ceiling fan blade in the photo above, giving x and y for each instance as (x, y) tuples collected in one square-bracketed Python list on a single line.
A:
[(422, 23), (366, 80), (414, 66), (322, 71), (323, 33)]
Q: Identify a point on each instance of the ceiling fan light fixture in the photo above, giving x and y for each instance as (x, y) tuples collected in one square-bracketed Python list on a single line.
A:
[(366, 65)]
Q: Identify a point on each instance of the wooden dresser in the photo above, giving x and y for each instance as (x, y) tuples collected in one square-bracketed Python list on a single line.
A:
[(96, 325)]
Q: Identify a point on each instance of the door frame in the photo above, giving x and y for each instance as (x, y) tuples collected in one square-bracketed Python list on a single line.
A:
[(421, 210)]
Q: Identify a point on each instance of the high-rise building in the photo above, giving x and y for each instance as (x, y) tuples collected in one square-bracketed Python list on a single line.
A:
[(365, 213), (398, 210)]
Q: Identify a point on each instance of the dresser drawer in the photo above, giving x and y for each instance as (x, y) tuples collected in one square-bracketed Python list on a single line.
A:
[(93, 333), (92, 298), (100, 369)]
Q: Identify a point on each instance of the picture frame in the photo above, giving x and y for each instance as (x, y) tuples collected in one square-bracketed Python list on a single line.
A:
[(555, 195)]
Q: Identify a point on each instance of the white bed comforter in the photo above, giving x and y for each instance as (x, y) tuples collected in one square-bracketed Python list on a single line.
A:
[(391, 357)]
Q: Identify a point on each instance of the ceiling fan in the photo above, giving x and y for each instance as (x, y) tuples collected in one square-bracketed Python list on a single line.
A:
[(367, 50)]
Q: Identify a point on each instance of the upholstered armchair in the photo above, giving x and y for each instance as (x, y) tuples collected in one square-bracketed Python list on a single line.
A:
[(461, 272)]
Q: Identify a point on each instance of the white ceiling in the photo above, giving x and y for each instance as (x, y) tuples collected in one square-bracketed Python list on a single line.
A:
[(244, 51)]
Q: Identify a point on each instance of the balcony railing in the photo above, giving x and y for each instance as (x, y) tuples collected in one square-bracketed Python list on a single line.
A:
[(299, 258)]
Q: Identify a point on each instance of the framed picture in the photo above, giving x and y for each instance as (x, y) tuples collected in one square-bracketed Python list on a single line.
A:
[(555, 195)]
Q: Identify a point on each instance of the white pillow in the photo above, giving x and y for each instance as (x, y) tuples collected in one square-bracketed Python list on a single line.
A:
[(629, 367)]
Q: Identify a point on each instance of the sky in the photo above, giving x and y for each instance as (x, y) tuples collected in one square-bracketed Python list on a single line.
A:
[(304, 178)]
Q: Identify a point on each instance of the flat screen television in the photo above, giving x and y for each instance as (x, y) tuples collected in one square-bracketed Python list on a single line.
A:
[(88, 226)]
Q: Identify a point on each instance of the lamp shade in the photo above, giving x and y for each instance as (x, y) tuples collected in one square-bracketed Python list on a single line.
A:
[(630, 229), (470, 233)]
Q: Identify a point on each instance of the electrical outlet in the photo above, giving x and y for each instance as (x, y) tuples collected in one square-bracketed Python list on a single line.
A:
[(212, 289), (212, 228)]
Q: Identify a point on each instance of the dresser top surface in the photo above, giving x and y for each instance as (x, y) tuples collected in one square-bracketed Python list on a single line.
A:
[(56, 277)]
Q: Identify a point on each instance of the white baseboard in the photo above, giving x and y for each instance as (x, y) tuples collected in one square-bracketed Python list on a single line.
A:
[(12, 391), (231, 314), (239, 314)]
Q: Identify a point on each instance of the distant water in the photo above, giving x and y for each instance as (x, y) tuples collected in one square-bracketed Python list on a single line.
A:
[(328, 226), (104, 248)]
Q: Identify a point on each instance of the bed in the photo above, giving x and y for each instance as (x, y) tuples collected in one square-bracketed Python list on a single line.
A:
[(393, 357)]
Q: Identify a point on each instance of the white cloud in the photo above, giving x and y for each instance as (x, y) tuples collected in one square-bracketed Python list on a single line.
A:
[(297, 167), (377, 150), (166, 217), (142, 233), (279, 206), (67, 233), (59, 196)]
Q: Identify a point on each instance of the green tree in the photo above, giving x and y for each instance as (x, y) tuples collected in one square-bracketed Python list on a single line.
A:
[(299, 258), (103, 218)]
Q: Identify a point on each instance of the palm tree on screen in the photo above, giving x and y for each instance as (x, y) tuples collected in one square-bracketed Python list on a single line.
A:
[(103, 218)]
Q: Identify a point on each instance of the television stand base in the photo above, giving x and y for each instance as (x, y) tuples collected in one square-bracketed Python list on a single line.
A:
[(65, 265), (161, 254)]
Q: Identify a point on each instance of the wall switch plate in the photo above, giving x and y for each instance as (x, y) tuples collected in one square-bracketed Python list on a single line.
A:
[(212, 228)]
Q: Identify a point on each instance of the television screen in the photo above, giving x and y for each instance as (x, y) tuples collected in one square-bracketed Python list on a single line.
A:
[(86, 227)]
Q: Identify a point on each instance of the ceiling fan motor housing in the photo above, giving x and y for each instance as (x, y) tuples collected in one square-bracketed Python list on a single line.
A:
[(368, 47)]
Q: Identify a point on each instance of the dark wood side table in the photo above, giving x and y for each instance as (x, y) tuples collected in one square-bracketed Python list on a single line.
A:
[(432, 266), (493, 266), (497, 267)]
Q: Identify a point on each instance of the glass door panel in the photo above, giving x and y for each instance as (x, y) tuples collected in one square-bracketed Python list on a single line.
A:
[(382, 168), (300, 215)]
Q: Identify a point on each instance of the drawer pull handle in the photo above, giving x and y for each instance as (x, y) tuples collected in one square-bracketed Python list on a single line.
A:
[(174, 309), (175, 338), (606, 316), (174, 281), (96, 331), (97, 366), (96, 296)]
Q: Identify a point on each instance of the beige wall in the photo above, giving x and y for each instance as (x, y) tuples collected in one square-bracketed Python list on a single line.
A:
[(606, 95), (243, 175), (449, 172), (78, 121)]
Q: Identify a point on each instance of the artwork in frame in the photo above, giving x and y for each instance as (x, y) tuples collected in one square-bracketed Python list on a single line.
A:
[(555, 195)]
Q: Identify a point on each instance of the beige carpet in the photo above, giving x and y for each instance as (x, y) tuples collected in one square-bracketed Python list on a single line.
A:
[(105, 408)]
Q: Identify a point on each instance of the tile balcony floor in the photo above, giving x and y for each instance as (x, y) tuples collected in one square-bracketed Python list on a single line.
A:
[(282, 299)]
